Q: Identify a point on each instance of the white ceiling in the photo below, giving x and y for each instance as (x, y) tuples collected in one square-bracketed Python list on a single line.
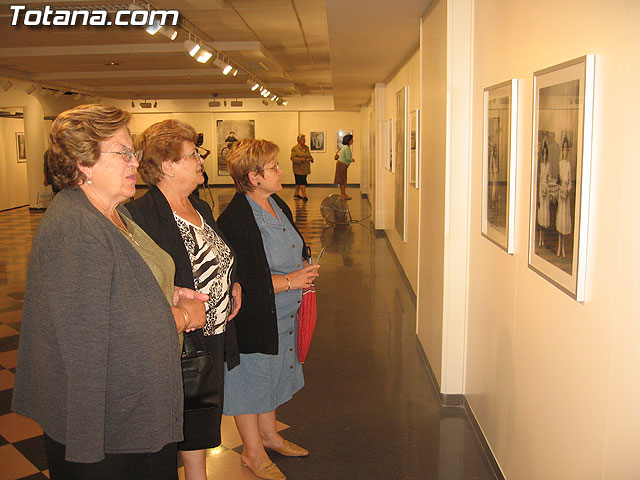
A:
[(296, 47)]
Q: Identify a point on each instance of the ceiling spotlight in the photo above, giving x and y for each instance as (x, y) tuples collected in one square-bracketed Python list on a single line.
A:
[(204, 56), (169, 32), (273, 98), (235, 72), (255, 87), (266, 93), (226, 69), (31, 89), (7, 85), (153, 28), (284, 103), (191, 46), (133, 105)]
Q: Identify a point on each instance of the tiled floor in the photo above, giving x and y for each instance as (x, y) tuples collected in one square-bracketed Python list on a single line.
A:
[(368, 410)]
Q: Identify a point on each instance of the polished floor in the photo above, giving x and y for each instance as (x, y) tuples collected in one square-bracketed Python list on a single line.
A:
[(368, 410)]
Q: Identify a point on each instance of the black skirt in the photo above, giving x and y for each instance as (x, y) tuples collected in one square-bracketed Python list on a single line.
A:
[(202, 427), (300, 179)]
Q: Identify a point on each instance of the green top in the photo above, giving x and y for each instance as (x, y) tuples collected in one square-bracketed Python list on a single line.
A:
[(346, 156), (159, 262)]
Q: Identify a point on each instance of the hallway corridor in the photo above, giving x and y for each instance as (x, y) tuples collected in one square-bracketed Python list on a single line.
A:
[(368, 409)]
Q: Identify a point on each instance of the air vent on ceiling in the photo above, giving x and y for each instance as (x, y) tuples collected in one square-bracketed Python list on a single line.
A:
[(236, 103), (214, 104), (145, 105)]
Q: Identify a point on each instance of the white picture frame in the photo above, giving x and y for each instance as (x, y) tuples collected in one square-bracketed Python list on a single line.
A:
[(499, 163), (562, 102)]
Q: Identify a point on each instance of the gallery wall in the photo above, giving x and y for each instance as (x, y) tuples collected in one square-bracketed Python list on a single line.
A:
[(407, 75), (280, 127), (553, 382), (13, 174)]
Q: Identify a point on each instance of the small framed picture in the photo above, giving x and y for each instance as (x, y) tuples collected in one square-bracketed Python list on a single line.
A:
[(316, 141), (561, 173), (390, 144), (21, 148), (499, 163), (414, 148)]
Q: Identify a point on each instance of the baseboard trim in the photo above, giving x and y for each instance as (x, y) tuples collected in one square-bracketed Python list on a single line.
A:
[(460, 401), (400, 268)]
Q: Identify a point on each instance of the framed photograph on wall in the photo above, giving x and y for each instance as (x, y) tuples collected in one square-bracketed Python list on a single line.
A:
[(499, 163), (400, 161), (316, 141), (229, 132), (414, 148), (389, 124), (561, 173), (340, 135), (21, 148)]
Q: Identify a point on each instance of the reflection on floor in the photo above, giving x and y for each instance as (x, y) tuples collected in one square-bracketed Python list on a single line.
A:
[(368, 410)]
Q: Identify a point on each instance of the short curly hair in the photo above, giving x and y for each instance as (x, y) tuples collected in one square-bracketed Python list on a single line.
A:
[(75, 138), (246, 156), (160, 142)]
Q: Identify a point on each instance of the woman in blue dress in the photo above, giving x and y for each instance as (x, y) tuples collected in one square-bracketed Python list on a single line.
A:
[(270, 265)]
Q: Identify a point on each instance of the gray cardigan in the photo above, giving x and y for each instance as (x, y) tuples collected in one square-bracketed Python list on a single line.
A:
[(99, 356)]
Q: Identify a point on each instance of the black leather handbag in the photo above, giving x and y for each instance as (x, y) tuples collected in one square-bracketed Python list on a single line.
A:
[(199, 375)]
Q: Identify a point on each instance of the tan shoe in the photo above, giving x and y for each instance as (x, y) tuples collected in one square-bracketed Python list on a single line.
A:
[(290, 449), (269, 471)]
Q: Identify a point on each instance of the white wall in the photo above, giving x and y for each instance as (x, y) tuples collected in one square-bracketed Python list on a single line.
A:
[(280, 126), (407, 75), (554, 383), (13, 175)]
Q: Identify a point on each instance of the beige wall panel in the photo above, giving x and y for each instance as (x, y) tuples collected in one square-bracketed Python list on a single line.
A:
[(552, 382), (432, 183)]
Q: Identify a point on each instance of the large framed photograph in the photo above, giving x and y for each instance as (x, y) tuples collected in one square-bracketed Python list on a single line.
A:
[(389, 124), (340, 135), (414, 148), (561, 173), (499, 163), (229, 132), (21, 148), (400, 156), (316, 141)]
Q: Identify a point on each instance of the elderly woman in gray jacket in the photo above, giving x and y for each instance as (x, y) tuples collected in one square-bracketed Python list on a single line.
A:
[(99, 356)]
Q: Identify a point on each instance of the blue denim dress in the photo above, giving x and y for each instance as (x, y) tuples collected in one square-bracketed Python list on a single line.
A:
[(263, 382)]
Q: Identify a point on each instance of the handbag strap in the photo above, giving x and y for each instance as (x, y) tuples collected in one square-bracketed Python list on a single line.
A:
[(192, 344)]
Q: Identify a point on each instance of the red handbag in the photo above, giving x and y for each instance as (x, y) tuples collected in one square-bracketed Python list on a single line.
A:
[(307, 315)]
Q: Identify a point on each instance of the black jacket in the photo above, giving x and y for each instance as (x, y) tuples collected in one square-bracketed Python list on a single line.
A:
[(256, 323), (154, 215)]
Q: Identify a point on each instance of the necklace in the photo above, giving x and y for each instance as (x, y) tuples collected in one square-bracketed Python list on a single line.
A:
[(96, 203)]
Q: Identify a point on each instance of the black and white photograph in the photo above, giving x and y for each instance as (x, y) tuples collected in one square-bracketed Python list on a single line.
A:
[(316, 141), (21, 148), (389, 124), (400, 155), (229, 132), (499, 163), (340, 135), (414, 148), (561, 167)]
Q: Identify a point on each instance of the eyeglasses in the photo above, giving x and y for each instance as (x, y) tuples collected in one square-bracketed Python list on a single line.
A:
[(195, 155), (128, 154), (274, 168)]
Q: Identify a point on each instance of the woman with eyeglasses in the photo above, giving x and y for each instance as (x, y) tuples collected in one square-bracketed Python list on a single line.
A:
[(273, 272), (99, 356), (184, 227)]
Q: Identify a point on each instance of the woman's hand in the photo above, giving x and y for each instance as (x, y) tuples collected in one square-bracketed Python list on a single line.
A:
[(181, 292), (236, 296), (190, 314), (304, 277)]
